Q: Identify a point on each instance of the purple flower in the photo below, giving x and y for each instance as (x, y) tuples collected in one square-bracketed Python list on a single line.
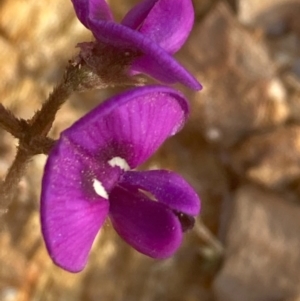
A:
[(88, 177), (155, 29)]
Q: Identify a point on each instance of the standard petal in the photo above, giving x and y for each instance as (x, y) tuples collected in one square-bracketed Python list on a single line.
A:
[(71, 211), (167, 24), (136, 16), (129, 128), (167, 187), (97, 9), (155, 61), (150, 227)]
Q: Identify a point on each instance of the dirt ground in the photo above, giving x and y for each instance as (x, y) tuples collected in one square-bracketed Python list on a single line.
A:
[(240, 150)]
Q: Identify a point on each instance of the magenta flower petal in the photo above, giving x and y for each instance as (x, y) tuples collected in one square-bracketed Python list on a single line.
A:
[(148, 226), (152, 30), (168, 24), (132, 125), (167, 187), (155, 61), (98, 9), (87, 177), (136, 16), (71, 214)]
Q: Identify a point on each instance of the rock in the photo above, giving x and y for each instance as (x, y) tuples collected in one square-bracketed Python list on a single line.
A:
[(279, 20), (270, 159), (241, 90), (262, 249), (202, 7), (275, 17), (294, 99)]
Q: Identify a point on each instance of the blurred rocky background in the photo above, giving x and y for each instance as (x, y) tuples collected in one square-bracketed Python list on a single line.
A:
[(240, 150)]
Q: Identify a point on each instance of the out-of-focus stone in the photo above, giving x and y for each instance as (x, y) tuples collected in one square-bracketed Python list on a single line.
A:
[(12, 261), (274, 16), (297, 298), (118, 261), (279, 20), (241, 91), (7, 152), (271, 159), (46, 36), (285, 51), (262, 249), (295, 106), (9, 60), (201, 7)]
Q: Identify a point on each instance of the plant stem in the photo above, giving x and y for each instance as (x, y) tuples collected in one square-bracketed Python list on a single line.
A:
[(78, 77), (206, 235), (9, 122), (13, 177), (43, 119), (32, 135)]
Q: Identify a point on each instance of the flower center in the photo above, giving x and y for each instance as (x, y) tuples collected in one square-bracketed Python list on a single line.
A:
[(101, 187)]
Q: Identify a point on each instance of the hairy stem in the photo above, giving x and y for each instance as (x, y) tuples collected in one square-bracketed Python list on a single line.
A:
[(9, 122), (32, 134), (42, 121), (13, 177), (75, 79)]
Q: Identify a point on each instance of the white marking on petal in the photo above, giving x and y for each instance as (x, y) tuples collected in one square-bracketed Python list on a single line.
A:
[(120, 162), (99, 189)]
